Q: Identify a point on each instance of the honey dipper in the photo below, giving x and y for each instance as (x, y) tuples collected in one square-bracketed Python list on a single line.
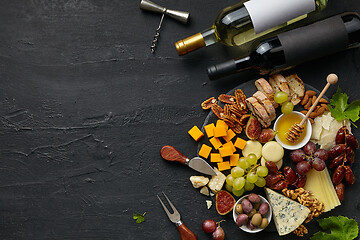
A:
[(296, 130)]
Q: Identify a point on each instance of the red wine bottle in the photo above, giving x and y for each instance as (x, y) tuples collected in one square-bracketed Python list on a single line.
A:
[(291, 48)]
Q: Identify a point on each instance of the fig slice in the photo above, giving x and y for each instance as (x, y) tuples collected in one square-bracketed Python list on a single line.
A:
[(253, 128), (224, 202), (267, 135)]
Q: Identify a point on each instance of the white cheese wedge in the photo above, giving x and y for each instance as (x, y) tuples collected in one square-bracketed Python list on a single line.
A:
[(199, 181), (288, 215), (208, 204), (217, 182), (205, 191)]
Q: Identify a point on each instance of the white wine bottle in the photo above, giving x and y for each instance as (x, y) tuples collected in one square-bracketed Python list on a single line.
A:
[(288, 49), (248, 21)]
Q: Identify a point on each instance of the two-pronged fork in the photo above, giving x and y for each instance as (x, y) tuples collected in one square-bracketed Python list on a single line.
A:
[(185, 233)]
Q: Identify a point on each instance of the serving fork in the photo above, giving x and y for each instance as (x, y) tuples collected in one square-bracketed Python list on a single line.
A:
[(185, 233)]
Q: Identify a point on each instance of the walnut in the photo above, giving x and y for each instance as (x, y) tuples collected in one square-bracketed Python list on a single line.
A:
[(300, 231)]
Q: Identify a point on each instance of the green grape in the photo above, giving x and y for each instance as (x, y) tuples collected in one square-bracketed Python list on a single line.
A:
[(287, 107), (237, 172), (261, 182), (249, 186), (280, 97), (262, 171), (243, 163), (239, 183), (228, 187), (229, 179), (251, 177), (252, 159), (238, 193)]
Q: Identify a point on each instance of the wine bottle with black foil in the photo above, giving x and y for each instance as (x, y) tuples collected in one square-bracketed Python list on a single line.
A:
[(248, 21), (291, 48)]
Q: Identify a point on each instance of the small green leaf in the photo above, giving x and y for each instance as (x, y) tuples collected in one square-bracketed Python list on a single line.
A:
[(341, 110), (139, 217)]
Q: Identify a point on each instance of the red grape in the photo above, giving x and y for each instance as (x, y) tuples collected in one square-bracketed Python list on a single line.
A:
[(322, 154), (219, 234), (297, 156), (303, 167), (318, 164), (209, 226), (309, 148)]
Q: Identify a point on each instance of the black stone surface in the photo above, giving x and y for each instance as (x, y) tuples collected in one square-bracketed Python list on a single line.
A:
[(85, 108)]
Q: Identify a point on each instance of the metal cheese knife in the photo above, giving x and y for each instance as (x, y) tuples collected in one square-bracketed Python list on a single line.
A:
[(170, 153)]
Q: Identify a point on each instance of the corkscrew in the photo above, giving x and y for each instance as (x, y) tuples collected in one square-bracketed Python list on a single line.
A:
[(153, 7)]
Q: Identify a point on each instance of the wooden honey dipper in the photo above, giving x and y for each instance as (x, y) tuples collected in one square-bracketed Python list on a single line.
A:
[(296, 130)]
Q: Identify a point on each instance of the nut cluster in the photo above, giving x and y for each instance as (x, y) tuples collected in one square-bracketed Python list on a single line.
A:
[(304, 197), (308, 100), (234, 112)]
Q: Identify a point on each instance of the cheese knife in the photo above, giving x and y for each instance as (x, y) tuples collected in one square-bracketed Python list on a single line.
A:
[(170, 153)]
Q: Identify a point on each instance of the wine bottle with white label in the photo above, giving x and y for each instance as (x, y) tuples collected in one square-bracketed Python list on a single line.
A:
[(296, 46), (248, 21)]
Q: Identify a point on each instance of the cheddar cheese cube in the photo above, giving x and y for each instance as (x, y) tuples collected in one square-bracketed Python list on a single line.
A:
[(230, 144), (229, 135), (220, 131), (225, 151), (234, 160), (240, 143), (215, 157), (220, 122), (195, 133), (223, 166), (205, 151), (215, 142), (209, 129)]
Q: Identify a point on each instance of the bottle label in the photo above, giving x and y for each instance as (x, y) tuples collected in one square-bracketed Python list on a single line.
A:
[(266, 14)]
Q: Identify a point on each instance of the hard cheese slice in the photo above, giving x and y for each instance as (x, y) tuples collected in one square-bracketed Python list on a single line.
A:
[(288, 214)]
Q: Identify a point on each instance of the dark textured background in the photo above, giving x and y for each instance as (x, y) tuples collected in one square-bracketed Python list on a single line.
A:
[(85, 108)]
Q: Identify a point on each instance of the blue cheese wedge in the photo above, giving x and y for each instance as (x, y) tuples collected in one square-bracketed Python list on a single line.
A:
[(288, 215)]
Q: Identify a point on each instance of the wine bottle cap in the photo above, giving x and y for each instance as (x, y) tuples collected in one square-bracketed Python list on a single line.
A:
[(190, 44)]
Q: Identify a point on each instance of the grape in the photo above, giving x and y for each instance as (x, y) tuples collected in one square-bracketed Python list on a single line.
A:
[(209, 226), (249, 186), (243, 163), (238, 183), (228, 187), (251, 177), (262, 171), (318, 164), (309, 148), (219, 234), (280, 97), (261, 182), (230, 180), (238, 193), (287, 107), (237, 172), (297, 156), (252, 159), (303, 167), (322, 154)]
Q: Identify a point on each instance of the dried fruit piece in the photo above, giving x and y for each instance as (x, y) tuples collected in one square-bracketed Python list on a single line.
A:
[(350, 155), (279, 185), (349, 175), (337, 150), (340, 190), (339, 174), (208, 103), (272, 179), (351, 141), (224, 202), (217, 110), (271, 166), (340, 136), (337, 161), (225, 98), (253, 128)]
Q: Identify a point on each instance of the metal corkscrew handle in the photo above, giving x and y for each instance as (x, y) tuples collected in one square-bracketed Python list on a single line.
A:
[(157, 35), (153, 7)]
